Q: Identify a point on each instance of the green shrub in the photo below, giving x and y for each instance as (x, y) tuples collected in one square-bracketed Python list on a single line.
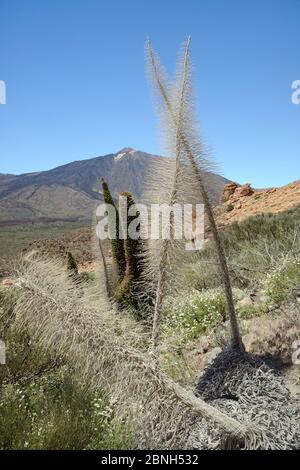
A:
[(71, 264), (188, 316), (23, 360), (268, 226), (254, 310), (229, 207), (43, 405), (124, 292), (251, 247), (8, 298), (56, 411), (88, 277), (282, 279), (201, 274)]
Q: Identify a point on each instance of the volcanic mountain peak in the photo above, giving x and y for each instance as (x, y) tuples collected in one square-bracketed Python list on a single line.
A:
[(70, 191), (123, 152)]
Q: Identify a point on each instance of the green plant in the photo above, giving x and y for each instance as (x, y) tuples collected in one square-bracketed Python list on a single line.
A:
[(71, 264), (105, 348), (117, 244), (88, 277), (255, 310), (229, 207), (127, 291), (252, 247), (8, 300), (43, 404), (282, 279), (56, 411), (188, 316)]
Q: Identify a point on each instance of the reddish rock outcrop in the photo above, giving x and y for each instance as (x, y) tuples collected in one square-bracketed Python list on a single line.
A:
[(244, 190), (229, 189), (248, 202)]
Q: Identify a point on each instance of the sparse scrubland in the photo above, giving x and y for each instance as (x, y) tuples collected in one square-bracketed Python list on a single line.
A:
[(263, 254), (44, 404), (263, 257), (164, 349), (14, 238), (48, 402)]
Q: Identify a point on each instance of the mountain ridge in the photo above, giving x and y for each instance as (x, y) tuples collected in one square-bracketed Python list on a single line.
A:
[(69, 191)]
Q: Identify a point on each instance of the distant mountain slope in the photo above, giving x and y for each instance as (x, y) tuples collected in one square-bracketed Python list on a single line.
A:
[(69, 192)]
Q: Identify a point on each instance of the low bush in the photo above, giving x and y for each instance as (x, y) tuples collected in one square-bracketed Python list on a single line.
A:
[(255, 310), (56, 411), (253, 247), (88, 277), (188, 316), (282, 279), (229, 207), (43, 405)]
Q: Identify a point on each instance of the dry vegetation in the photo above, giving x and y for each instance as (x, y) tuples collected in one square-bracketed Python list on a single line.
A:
[(181, 366)]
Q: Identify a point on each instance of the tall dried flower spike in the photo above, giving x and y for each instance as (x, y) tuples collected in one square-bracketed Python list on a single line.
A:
[(178, 107)]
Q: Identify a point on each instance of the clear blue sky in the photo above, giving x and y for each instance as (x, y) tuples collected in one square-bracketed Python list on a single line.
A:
[(76, 86)]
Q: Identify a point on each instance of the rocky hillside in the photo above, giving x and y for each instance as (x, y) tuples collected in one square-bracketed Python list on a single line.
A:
[(69, 192), (240, 202)]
